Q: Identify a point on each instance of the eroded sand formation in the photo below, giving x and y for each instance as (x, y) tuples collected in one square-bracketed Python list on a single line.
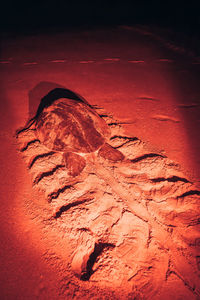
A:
[(120, 230)]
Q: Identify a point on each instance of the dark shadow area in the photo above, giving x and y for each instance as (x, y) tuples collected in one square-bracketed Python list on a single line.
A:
[(66, 207), (98, 250), (45, 93), (42, 96), (170, 179), (39, 92), (190, 193), (24, 16)]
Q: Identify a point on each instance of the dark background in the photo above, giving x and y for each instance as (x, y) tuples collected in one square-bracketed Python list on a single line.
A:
[(21, 16)]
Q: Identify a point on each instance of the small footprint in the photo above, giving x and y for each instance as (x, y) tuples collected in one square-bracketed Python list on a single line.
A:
[(5, 62), (86, 61), (165, 118), (147, 99), (165, 60), (136, 61), (111, 59), (58, 61), (188, 105), (30, 63)]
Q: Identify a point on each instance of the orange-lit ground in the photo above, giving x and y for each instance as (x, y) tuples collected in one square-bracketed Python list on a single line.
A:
[(150, 88)]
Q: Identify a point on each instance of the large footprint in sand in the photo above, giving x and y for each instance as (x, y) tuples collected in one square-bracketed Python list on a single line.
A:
[(130, 215)]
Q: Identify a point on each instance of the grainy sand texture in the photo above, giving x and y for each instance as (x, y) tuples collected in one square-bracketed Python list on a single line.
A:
[(124, 229)]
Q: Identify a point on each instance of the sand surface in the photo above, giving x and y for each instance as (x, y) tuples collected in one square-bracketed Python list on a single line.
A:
[(150, 86)]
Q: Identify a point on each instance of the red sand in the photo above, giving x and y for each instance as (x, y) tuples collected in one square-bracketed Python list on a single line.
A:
[(153, 90)]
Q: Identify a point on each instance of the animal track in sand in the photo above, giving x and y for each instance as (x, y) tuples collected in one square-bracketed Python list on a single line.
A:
[(133, 223)]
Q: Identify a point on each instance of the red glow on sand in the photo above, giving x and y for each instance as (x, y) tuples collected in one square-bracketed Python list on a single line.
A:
[(148, 89)]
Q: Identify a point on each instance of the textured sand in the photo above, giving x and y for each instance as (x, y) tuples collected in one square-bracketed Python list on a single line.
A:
[(153, 90)]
